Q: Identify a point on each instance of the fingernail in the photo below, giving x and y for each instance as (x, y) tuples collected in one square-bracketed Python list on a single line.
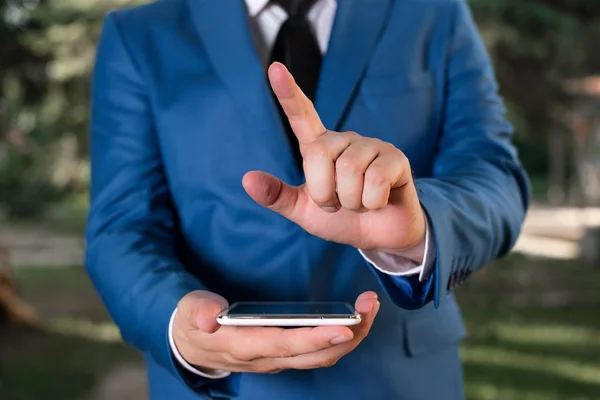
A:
[(330, 209), (340, 340)]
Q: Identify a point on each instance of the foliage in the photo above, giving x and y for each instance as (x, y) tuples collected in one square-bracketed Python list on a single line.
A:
[(536, 45), (22, 77), (47, 51), (49, 48)]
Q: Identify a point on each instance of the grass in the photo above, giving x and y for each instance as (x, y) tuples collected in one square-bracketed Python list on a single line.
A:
[(57, 366), (534, 334), (534, 331), (78, 346), (531, 355)]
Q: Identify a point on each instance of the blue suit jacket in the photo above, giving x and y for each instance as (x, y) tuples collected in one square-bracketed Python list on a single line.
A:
[(181, 110)]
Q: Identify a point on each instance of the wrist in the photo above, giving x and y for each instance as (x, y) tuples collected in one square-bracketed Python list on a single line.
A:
[(415, 253), (415, 249)]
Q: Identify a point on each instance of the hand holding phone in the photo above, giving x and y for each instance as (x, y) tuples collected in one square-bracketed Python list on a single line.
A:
[(206, 344)]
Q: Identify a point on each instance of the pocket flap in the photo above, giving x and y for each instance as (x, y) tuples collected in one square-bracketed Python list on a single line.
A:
[(434, 331)]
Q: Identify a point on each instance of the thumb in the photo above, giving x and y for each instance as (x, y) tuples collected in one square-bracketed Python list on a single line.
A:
[(367, 305), (201, 309), (272, 193)]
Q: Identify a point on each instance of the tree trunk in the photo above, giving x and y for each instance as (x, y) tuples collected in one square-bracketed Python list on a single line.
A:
[(13, 310)]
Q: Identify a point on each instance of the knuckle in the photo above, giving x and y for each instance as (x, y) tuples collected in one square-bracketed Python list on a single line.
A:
[(376, 178), (383, 146), (406, 174), (322, 199), (388, 147), (263, 368), (190, 313), (328, 362), (187, 309), (320, 196), (317, 150), (347, 166), (335, 141), (376, 142), (404, 162), (239, 354), (283, 349), (373, 145), (352, 203), (260, 368), (183, 304), (306, 111), (230, 359)]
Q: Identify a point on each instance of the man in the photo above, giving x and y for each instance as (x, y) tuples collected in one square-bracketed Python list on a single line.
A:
[(404, 161)]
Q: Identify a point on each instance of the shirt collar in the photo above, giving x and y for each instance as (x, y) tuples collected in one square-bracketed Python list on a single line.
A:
[(256, 6)]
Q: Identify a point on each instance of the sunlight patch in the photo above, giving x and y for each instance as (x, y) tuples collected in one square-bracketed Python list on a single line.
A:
[(487, 391), (548, 334), (100, 332), (559, 366)]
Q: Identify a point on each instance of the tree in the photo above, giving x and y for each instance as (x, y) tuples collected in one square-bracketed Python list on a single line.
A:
[(23, 83), (47, 50), (536, 46)]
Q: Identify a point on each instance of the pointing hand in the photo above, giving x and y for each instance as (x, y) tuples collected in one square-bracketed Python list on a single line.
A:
[(359, 191)]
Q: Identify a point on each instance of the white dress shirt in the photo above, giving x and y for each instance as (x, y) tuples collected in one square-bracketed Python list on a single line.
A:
[(269, 17)]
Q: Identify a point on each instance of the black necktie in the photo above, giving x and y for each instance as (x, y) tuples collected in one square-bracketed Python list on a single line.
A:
[(297, 48)]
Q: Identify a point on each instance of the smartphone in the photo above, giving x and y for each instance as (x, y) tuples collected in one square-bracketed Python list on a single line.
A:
[(289, 314)]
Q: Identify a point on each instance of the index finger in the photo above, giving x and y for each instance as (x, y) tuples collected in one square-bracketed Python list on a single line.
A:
[(298, 108)]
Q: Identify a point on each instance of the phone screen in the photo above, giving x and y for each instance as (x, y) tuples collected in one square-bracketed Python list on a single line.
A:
[(285, 309)]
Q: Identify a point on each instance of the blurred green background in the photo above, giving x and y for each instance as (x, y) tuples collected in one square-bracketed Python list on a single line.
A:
[(533, 318)]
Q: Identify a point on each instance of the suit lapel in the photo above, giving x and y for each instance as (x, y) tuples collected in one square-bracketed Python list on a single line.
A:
[(357, 26), (225, 33)]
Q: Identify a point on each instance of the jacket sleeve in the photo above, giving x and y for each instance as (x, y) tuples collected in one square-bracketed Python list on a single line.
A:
[(132, 234), (478, 193)]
